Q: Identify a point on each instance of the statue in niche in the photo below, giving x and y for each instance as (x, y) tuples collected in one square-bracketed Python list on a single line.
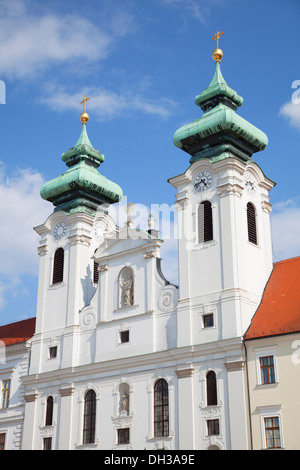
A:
[(124, 403), (126, 285)]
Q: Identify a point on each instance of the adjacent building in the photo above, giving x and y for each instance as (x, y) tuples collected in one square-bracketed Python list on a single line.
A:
[(272, 344)]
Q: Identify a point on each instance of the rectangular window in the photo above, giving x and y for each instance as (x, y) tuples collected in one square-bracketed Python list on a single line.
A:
[(213, 427), (2, 441), (5, 393), (47, 443), (124, 336), (123, 436), (272, 432), (52, 352), (267, 370), (208, 320)]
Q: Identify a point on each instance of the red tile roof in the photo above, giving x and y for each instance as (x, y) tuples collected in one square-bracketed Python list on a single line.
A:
[(17, 332), (279, 310)]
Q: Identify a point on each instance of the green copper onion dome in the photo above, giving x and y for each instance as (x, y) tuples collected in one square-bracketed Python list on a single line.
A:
[(81, 188), (220, 132)]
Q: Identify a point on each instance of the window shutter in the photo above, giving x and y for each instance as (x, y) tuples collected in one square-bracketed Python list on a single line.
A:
[(58, 268), (251, 222), (205, 223), (96, 273)]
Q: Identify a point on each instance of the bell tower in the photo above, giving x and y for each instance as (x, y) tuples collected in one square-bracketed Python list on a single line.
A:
[(225, 252), (69, 238)]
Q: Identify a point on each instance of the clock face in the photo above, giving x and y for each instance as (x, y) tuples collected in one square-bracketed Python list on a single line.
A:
[(59, 230), (203, 181), (249, 182), (100, 229)]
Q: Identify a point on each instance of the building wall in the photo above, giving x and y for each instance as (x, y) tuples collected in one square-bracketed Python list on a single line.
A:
[(188, 410), (281, 398), (14, 367)]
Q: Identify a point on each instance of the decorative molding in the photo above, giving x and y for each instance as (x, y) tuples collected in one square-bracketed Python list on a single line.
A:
[(234, 366), (43, 250), (87, 319), (166, 299), (230, 189), (103, 268), (150, 254), (183, 373), (66, 392), (122, 420), (266, 207), (47, 431), (31, 398), (79, 239), (181, 203)]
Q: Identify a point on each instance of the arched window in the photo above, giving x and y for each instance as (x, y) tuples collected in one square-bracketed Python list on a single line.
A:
[(58, 267), (49, 411), (251, 223), (205, 222), (211, 388), (89, 418), (161, 408)]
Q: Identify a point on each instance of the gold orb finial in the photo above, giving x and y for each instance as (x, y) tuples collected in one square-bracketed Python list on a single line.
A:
[(217, 53), (84, 117)]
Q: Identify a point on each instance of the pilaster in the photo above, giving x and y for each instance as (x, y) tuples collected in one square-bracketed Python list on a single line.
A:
[(30, 421), (237, 406), (186, 414)]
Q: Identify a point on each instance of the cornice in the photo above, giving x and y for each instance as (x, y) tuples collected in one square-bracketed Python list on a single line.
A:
[(230, 348)]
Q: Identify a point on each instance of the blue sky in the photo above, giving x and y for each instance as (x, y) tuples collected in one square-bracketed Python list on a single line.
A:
[(141, 62)]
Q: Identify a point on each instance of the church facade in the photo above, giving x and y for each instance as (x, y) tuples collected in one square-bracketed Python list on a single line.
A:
[(119, 358)]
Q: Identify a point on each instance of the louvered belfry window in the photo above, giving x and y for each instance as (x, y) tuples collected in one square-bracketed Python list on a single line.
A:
[(205, 222), (58, 268), (96, 273), (251, 223)]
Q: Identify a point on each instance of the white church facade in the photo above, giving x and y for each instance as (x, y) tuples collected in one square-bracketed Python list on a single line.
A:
[(120, 358)]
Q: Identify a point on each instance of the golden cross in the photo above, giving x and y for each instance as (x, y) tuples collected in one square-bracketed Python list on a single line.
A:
[(217, 36), (84, 101)]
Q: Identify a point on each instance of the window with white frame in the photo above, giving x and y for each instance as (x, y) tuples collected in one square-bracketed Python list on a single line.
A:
[(271, 426), (272, 432), (266, 366), (5, 393)]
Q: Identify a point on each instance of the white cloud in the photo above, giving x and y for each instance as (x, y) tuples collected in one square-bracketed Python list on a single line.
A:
[(21, 209), (105, 103), (291, 111), (285, 222), (32, 43), (197, 9)]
